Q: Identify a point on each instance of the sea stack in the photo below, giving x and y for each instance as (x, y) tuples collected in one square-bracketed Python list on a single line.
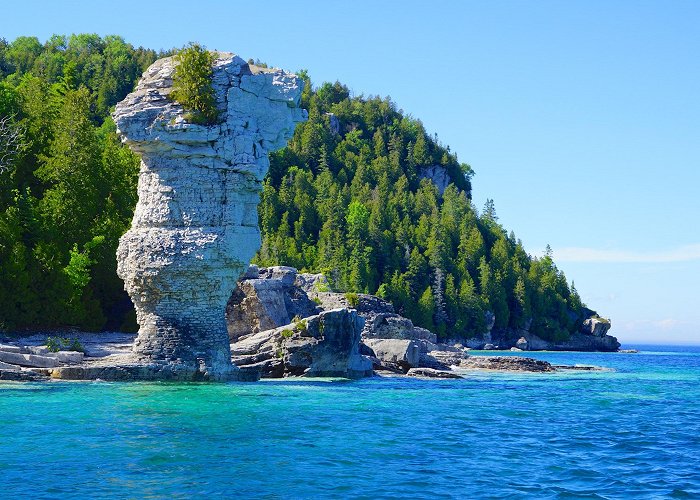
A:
[(195, 227)]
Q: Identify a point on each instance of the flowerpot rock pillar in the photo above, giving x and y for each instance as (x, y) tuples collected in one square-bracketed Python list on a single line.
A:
[(195, 227)]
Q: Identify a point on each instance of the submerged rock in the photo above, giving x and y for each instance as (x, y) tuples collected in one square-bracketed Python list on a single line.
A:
[(506, 363), (195, 226), (431, 373)]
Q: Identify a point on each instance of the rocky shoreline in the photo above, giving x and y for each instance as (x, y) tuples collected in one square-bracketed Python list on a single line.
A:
[(282, 323)]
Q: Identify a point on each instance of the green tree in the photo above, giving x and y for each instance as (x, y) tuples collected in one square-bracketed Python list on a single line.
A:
[(192, 84)]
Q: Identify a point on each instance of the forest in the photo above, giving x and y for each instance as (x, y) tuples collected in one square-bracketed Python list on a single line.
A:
[(350, 196)]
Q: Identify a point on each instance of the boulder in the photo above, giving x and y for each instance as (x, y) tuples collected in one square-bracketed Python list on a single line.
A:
[(404, 353), (389, 325), (596, 326), (195, 226), (522, 344), (312, 283), (252, 273), (256, 305), (324, 345), (267, 302)]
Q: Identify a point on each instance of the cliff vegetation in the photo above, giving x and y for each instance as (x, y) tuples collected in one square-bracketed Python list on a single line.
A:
[(362, 193)]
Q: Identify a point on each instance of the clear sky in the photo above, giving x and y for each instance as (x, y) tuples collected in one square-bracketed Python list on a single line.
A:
[(580, 118)]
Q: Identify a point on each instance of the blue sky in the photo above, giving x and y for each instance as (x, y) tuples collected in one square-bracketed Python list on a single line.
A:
[(580, 118)]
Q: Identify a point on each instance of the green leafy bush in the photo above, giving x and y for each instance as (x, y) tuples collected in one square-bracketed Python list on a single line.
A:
[(55, 344), (300, 326), (192, 84), (353, 299)]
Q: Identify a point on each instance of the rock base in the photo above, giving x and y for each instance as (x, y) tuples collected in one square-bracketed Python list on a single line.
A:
[(506, 363), (170, 372)]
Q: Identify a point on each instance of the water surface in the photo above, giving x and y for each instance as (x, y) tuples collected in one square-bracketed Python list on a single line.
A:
[(629, 433)]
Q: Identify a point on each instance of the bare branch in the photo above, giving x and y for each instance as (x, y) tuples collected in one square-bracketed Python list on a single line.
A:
[(11, 141)]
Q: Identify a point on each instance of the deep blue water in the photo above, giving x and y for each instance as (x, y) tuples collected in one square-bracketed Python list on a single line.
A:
[(629, 433)]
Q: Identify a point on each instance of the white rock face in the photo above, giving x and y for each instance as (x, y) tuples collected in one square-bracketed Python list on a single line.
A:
[(438, 175), (195, 227)]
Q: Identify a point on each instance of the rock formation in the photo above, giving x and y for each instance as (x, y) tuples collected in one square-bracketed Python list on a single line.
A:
[(266, 299), (195, 227), (438, 175), (324, 345)]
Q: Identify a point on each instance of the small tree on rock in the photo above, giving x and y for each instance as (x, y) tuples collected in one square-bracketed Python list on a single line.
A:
[(192, 84)]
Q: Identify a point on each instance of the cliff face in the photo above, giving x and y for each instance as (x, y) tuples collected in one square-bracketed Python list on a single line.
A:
[(195, 227)]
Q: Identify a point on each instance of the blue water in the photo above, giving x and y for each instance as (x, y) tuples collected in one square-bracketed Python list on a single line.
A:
[(629, 433)]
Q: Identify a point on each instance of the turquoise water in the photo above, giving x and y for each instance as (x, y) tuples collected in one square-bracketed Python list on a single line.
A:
[(629, 433)]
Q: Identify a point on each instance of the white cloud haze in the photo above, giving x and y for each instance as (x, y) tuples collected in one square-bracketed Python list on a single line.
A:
[(683, 253)]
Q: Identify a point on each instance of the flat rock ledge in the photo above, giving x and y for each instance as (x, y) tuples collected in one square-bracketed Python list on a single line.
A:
[(506, 363), (432, 373), (144, 371), (14, 375)]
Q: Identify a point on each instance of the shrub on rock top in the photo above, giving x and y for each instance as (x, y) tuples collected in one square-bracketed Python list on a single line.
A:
[(192, 84)]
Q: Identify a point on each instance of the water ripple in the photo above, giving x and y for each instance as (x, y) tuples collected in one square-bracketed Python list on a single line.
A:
[(630, 433)]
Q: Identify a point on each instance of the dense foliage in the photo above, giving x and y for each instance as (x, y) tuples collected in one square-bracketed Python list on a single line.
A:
[(67, 185), (192, 84), (345, 198)]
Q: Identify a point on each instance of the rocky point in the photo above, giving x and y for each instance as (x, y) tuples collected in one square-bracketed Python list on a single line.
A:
[(195, 227)]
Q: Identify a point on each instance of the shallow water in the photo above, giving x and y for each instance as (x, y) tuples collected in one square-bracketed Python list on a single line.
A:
[(629, 433)]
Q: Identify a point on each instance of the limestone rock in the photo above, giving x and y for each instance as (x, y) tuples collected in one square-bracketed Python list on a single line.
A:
[(431, 373), (441, 360), (596, 326), (10, 348), (324, 345), (7, 366), (522, 344), (404, 353), (506, 363), (21, 376), (438, 175), (67, 356), (579, 342), (490, 320), (312, 283), (195, 224), (28, 360), (333, 124), (267, 302)]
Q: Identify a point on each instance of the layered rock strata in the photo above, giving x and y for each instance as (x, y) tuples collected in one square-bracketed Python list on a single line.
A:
[(195, 226), (323, 345)]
